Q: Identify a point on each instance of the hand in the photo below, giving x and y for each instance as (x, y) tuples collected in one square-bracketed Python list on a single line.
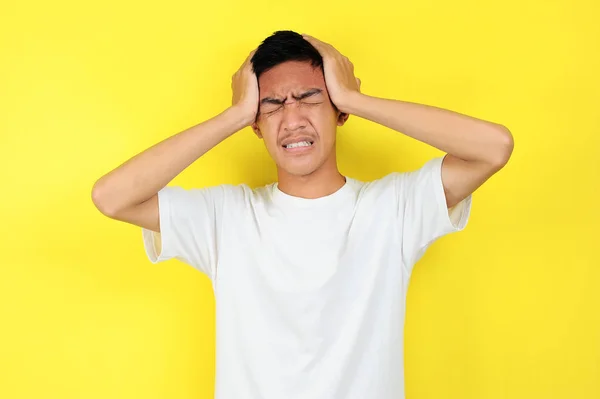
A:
[(341, 83), (244, 87)]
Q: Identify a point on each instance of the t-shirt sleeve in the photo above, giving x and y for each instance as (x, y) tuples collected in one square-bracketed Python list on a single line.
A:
[(424, 214), (190, 224)]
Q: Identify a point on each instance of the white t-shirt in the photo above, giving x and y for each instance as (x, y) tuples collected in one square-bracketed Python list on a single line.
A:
[(310, 293)]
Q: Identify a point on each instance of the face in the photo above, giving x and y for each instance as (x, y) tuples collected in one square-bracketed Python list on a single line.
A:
[(297, 120)]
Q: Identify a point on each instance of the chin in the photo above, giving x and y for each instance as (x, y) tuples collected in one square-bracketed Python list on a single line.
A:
[(299, 169), (300, 165)]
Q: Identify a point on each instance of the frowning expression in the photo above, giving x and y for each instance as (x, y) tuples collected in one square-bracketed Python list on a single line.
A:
[(296, 119)]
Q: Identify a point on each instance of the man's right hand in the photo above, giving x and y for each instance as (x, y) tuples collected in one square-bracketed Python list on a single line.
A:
[(130, 192), (244, 86)]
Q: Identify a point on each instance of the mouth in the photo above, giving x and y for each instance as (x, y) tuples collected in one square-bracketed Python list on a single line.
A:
[(301, 146)]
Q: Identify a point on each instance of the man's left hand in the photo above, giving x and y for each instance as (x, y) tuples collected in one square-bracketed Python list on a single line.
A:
[(341, 83)]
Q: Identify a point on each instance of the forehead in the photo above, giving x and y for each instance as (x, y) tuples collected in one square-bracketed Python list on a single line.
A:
[(290, 77)]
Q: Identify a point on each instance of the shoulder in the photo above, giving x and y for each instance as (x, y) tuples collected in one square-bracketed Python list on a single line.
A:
[(427, 172), (399, 182), (218, 194), (223, 192)]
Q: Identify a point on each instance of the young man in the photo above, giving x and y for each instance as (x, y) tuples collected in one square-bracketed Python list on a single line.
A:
[(310, 273)]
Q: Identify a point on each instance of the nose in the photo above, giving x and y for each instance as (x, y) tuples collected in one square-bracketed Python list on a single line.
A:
[(293, 118)]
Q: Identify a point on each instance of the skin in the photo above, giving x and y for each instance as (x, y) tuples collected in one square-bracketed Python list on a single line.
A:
[(475, 149), (294, 102)]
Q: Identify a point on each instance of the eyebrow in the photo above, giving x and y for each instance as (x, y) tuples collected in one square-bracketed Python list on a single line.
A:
[(309, 93)]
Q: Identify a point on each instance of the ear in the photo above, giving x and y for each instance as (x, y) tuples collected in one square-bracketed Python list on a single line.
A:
[(342, 118), (257, 130)]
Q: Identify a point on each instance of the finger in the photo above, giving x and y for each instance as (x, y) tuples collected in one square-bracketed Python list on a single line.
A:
[(250, 56), (314, 39), (319, 45), (324, 48), (248, 59)]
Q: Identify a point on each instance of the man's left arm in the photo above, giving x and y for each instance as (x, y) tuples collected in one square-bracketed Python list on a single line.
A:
[(476, 149)]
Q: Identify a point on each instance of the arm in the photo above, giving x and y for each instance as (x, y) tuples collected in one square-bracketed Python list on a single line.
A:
[(129, 192), (476, 149)]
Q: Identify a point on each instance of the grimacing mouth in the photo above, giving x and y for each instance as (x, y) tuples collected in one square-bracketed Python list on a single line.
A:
[(310, 141)]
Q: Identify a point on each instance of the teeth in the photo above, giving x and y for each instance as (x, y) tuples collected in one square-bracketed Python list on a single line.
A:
[(300, 144)]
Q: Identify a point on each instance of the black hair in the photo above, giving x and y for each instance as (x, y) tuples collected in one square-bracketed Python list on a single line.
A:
[(282, 46)]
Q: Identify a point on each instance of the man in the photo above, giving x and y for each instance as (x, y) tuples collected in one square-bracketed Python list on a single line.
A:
[(309, 273)]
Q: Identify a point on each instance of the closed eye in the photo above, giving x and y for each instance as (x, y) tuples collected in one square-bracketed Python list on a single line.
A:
[(309, 93), (270, 102), (270, 110)]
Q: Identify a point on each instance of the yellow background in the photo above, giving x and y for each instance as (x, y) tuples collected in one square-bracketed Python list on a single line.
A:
[(509, 308)]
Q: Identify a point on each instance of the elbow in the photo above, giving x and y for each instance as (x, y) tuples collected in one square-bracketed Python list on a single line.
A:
[(99, 201), (503, 147)]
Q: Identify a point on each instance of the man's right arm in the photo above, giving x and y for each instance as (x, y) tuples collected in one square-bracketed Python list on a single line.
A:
[(130, 192)]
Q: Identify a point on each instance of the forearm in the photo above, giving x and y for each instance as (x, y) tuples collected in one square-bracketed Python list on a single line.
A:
[(465, 137), (142, 176)]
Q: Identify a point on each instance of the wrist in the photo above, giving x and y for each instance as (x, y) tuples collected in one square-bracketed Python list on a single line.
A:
[(352, 103), (240, 117)]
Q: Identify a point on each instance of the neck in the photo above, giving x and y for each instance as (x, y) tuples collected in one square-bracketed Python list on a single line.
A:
[(322, 182)]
